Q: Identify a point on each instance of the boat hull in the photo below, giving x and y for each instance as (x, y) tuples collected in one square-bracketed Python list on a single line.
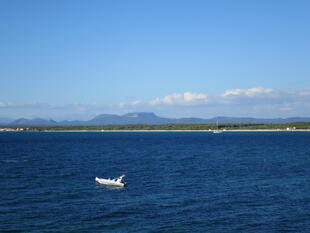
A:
[(217, 131)]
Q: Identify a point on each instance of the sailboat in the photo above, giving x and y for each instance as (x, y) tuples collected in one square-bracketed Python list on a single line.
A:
[(217, 130)]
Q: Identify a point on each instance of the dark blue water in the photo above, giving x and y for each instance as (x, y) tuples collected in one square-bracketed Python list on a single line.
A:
[(177, 182)]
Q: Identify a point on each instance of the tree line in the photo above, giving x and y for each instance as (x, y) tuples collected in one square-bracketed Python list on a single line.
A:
[(226, 126)]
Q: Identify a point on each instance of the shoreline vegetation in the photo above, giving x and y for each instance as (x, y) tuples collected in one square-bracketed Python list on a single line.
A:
[(297, 126)]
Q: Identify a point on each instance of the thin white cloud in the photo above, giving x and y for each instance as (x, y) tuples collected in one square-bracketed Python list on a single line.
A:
[(136, 102), (121, 105), (6, 104), (23, 105), (305, 92), (286, 107), (255, 102), (186, 98), (251, 92)]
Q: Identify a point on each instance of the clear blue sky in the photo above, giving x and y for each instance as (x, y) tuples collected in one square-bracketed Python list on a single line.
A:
[(64, 52)]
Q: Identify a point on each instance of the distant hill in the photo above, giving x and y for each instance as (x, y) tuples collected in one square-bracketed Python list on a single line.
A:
[(151, 118), (33, 122), (5, 120)]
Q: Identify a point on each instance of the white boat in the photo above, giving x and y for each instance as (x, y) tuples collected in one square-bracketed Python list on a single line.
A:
[(113, 182), (217, 130)]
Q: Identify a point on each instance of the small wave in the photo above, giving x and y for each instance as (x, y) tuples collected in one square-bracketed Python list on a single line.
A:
[(10, 161)]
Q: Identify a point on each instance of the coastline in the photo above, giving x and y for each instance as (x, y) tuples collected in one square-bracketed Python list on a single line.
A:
[(210, 131)]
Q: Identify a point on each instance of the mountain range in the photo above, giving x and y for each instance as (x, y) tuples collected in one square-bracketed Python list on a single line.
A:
[(146, 118)]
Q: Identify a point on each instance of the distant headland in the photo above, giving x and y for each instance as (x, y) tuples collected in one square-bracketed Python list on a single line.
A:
[(145, 118), (147, 121)]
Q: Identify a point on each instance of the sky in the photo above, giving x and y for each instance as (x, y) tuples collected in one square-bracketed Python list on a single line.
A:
[(74, 59)]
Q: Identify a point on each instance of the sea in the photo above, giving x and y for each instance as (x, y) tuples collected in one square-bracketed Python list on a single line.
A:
[(176, 182)]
